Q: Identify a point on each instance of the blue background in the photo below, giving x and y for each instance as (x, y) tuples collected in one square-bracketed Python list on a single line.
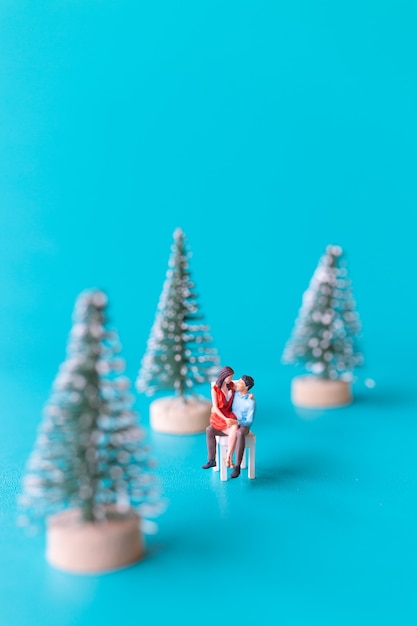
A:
[(266, 130)]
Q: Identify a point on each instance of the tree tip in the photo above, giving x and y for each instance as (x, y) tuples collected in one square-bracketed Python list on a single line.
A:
[(178, 232), (334, 250), (93, 297)]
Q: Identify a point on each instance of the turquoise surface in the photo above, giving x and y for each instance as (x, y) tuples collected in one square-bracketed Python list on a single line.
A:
[(266, 130)]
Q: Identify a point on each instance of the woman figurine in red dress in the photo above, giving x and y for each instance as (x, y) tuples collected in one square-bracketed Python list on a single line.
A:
[(222, 418)]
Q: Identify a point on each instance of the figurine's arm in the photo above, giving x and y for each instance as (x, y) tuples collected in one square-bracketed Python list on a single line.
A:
[(249, 415), (215, 406)]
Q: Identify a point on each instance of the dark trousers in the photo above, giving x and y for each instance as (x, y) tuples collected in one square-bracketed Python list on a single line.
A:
[(211, 433)]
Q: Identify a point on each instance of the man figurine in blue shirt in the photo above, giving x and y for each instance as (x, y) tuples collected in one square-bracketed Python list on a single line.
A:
[(244, 408)]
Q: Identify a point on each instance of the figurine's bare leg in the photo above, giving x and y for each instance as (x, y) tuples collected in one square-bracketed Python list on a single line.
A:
[(232, 432)]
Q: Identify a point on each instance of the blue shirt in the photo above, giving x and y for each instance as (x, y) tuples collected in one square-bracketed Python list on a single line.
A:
[(244, 409)]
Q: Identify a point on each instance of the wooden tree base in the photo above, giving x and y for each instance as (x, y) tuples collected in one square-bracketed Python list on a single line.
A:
[(180, 416), (313, 392), (88, 547)]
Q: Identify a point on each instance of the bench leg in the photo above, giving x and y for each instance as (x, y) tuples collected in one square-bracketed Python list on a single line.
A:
[(251, 462), (222, 454), (217, 467)]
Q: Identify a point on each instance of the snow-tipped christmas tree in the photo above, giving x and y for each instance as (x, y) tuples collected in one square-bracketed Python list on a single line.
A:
[(326, 332), (90, 454), (180, 352)]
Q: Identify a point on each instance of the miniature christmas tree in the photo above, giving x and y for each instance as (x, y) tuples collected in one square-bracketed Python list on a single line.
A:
[(180, 353), (325, 336), (90, 459)]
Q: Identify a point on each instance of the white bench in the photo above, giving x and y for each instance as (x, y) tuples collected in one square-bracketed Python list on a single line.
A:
[(222, 443)]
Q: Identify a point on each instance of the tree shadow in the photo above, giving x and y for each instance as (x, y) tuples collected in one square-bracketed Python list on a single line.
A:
[(387, 397), (192, 541)]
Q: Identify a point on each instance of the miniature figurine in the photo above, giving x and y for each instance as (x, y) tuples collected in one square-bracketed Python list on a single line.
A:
[(180, 352), (232, 416), (222, 417), (325, 336), (90, 474)]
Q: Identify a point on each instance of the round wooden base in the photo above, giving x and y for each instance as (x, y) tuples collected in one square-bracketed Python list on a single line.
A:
[(313, 392), (180, 416), (87, 547)]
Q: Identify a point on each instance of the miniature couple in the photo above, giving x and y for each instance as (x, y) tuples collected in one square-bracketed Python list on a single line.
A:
[(232, 415)]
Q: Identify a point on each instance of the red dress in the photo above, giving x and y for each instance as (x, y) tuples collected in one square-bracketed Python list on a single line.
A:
[(224, 406)]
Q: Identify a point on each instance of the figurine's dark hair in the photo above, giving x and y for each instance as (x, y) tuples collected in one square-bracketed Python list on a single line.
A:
[(223, 374), (248, 380)]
